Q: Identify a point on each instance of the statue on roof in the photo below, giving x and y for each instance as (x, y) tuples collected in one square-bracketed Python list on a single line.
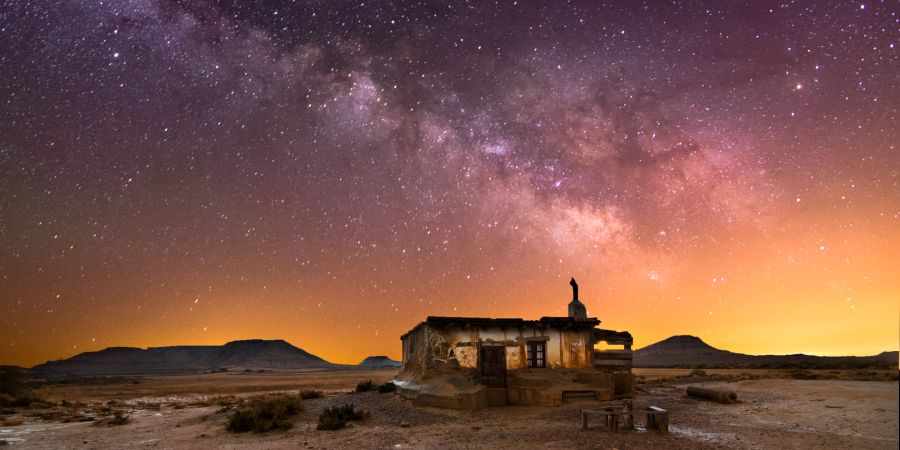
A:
[(577, 309)]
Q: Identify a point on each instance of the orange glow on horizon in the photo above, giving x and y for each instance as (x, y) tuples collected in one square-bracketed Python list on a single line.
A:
[(201, 172)]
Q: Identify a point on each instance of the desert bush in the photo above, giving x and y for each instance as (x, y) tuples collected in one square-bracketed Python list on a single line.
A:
[(802, 374), (118, 418), (220, 400), (310, 394), (225, 400), (52, 415), (387, 387), (7, 400), (13, 380), (153, 406), (14, 387), (264, 414), (336, 417), (365, 386), (697, 373), (11, 422)]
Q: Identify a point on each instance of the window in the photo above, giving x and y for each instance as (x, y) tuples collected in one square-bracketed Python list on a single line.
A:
[(536, 352)]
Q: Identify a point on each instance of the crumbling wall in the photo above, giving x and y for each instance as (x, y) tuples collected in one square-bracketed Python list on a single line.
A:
[(575, 349), (458, 346), (415, 352), (617, 362)]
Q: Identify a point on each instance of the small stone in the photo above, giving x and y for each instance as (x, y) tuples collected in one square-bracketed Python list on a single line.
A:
[(404, 424)]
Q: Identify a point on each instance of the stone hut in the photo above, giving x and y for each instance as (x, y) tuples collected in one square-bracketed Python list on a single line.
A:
[(471, 363)]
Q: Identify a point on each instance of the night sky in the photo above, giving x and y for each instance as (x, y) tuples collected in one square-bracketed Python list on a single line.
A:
[(331, 172)]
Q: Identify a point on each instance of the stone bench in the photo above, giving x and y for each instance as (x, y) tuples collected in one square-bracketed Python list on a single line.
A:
[(657, 418), (609, 416)]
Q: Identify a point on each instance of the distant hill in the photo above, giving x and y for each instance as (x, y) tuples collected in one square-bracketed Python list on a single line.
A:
[(249, 354), (378, 362), (691, 351)]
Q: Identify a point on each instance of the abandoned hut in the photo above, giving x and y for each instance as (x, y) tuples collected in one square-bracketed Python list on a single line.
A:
[(470, 363)]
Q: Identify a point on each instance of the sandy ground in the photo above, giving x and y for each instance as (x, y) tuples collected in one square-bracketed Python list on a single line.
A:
[(181, 387), (773, 413)]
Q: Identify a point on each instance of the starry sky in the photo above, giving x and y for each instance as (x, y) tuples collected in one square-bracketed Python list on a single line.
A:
[(331, 172)]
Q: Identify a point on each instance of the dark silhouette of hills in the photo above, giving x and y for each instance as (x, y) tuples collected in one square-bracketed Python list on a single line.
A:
[(691, 351), (249, 354), (379, 362)]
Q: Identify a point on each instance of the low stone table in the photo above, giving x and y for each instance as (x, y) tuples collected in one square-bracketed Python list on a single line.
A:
[(610, 416)]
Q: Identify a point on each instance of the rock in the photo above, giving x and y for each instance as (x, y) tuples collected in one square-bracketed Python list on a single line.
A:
[(404, 424)]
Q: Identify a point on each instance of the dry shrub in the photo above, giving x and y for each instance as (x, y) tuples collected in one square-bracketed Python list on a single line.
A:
[(225, 400), (366, 386), (118, 418), (802, 374), (151, 406), (13, 422), (387, 387), (310, 394), (14, 388), (264, 414), (219, 400), (336, 417)]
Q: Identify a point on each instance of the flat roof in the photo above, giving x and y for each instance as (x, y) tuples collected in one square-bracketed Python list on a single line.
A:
[(556, 322)]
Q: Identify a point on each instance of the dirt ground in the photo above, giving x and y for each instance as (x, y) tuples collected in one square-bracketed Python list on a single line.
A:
[(182, 387), (772, 413)]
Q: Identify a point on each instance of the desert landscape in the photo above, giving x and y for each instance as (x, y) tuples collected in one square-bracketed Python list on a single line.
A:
[(456, 224), (835, 410)]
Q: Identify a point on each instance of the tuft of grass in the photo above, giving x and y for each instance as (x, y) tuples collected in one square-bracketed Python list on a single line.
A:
[(118, 418), (387, 387), (15, 389), (11, 422), (221, 400), (802, 374), (272, 412), (225, 400), (366, 386), (336, 417), (310, 394), (328, 422)]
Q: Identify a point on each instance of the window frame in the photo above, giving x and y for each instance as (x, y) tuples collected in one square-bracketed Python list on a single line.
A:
[(536, 354)]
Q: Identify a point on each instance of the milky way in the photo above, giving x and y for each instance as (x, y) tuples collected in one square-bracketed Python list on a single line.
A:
[(331, 172)]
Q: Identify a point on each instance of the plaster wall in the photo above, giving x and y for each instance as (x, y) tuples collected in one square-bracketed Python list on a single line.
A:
[(430, 347)]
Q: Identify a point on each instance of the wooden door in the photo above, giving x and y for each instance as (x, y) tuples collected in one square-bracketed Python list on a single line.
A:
[(493, 366)]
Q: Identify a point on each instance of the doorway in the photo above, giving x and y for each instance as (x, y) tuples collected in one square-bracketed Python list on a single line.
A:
[(493, 366)]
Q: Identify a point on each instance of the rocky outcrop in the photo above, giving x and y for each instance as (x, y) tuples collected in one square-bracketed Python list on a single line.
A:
[(379, 362), (248, 354), (691, 351)]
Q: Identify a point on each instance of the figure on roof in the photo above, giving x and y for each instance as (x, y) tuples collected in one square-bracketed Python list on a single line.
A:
[(577, 309)]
